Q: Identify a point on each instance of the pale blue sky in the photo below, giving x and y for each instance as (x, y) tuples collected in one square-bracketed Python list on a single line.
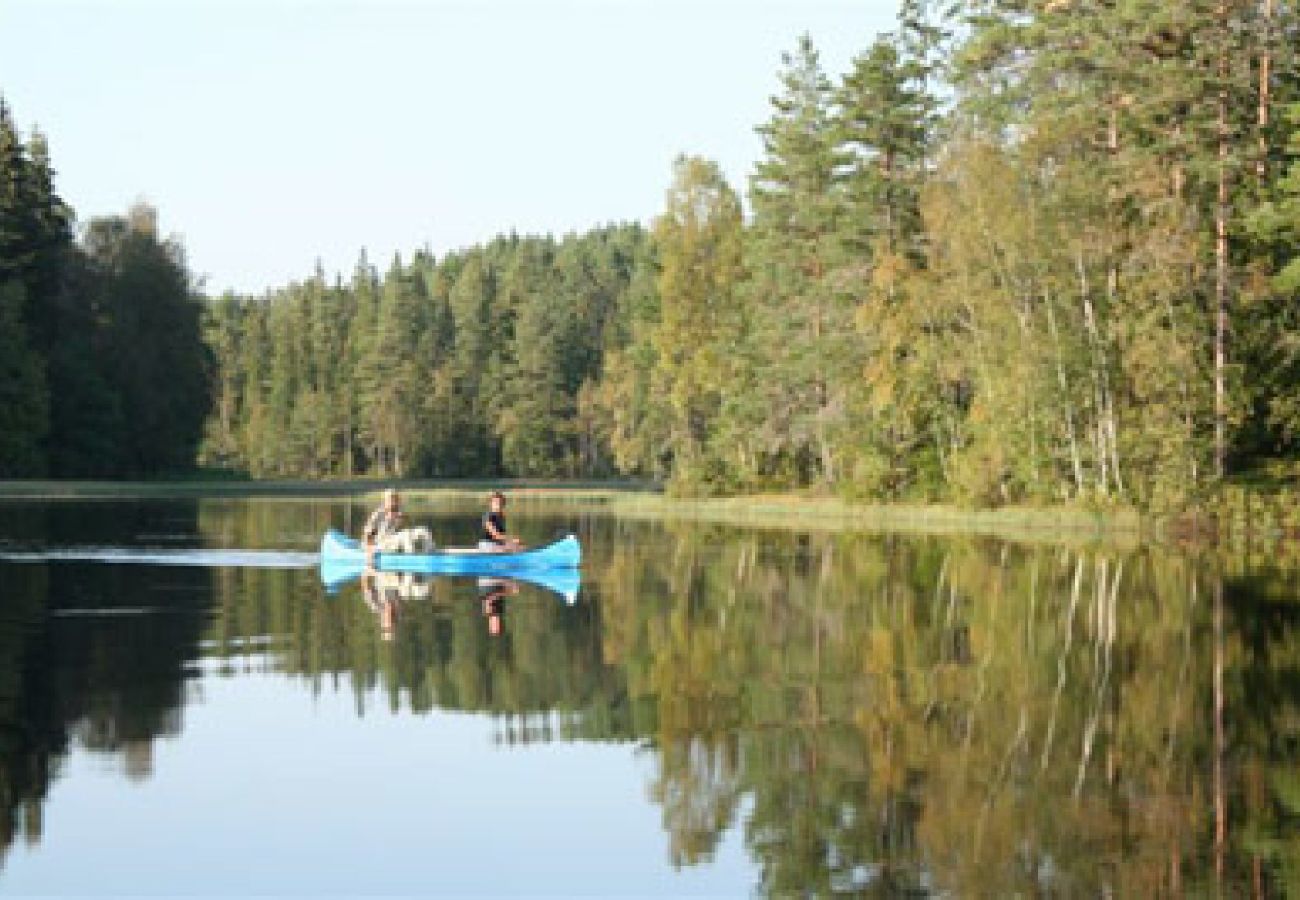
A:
[(273, 133)]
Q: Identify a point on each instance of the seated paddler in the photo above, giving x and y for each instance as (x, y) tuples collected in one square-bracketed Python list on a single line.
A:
[(384, 531), (494, 537)]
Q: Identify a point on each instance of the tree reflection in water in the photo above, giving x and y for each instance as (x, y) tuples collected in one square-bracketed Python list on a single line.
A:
[(89, 656), (873, 713)]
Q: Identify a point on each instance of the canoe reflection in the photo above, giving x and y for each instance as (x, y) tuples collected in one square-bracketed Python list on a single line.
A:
[(565, 583), (386, 593)]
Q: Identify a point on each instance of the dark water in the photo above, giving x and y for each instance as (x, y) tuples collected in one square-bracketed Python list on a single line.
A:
[(723, 711)]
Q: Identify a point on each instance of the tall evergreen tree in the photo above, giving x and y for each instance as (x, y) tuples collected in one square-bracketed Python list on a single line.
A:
[(1270, 339), (17, 213), (51, 239), (221, 333), (799, 258), (472, 298), (885, 119)]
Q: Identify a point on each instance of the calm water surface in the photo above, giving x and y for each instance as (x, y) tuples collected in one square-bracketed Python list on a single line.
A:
[(185, 709)]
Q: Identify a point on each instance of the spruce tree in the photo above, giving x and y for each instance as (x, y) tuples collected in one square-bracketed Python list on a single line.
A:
[(884, 119), (18, 228), (798, 257)]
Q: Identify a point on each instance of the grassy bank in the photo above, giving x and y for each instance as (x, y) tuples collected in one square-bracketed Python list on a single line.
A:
[(816, 513)]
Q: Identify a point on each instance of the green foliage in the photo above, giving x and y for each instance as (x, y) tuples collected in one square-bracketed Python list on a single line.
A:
[(1019, 253), (24, 411), (1270, 338), (1003, 289), (470, 365), (158, 365), (680, 364), (885, 119), (106, 374), (801, 283)]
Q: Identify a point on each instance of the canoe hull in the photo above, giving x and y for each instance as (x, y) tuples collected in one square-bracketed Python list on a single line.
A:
[(339, 550)]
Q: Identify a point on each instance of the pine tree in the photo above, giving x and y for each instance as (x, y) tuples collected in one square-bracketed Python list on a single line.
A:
[(258, 445), (1270, 340), (885, 121), (798, 257), (393, 412), (434, 348), (18, 227), (221, 327), (473, 361), (531, 412)]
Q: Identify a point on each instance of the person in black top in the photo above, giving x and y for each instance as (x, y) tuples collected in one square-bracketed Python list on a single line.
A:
[(494, 536)]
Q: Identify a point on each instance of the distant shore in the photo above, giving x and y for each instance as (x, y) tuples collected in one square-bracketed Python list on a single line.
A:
[(289, 488)]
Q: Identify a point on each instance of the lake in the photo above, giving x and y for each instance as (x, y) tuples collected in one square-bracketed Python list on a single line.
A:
[(186, 709)]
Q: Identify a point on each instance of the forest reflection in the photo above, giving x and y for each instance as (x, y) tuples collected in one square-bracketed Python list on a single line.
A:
[(91, 656), (874, 713)]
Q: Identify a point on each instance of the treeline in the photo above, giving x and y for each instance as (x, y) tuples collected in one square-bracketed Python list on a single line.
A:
[(103, 371), (1019, 252), (475, 364)]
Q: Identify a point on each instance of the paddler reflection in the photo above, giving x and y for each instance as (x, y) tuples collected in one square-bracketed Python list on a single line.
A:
[(385, 592), (492, 593)]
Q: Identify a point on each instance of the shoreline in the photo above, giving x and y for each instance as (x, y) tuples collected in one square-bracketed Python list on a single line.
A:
[(289, 488), (1239, 512)]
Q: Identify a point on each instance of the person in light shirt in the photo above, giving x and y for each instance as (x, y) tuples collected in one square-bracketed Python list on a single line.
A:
[(384, 531)]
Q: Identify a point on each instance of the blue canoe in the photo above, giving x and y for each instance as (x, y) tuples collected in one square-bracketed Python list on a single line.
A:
[(339, 550)]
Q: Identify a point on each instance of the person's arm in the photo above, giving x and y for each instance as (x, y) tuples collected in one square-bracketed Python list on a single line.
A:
[(499, 535)]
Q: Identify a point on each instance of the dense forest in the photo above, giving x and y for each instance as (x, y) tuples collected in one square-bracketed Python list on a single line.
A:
[(1019, 252), (475, 364), (103, 372)]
